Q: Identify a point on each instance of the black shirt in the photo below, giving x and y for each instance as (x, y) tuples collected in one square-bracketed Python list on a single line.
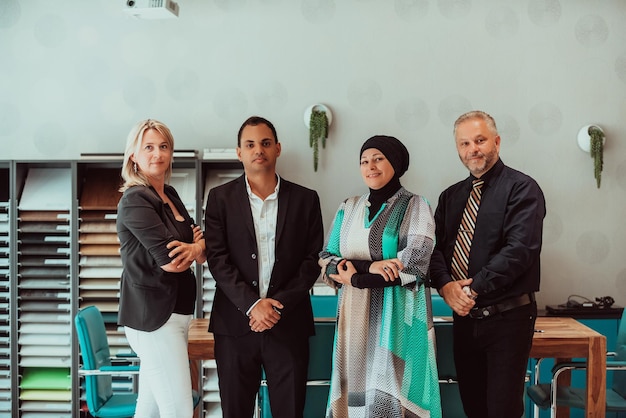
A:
[(504, 256)]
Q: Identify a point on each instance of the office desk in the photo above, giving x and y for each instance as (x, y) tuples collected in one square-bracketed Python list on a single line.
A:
[(565, 338), (200, 344), (562, 338)]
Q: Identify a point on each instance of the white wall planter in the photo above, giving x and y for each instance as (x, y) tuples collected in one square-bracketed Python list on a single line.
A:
[(597, 152), (319, 107), (584, 140)]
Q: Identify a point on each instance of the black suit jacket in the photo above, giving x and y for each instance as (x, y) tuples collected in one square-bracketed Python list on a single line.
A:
[(149, 294), (232, 257)]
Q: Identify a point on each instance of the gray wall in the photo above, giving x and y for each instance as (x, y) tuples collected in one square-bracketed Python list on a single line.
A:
[(75, 75)]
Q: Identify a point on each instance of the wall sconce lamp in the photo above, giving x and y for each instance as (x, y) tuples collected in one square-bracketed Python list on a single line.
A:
[(591, 139), (317, 118)]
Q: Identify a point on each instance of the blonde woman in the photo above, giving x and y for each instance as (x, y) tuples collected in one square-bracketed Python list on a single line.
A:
[(159, 242)]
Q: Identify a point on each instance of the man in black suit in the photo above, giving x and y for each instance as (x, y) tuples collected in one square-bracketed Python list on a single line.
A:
[(263, 235)]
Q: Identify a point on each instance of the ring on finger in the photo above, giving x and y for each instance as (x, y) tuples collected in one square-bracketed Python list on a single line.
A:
[(385, 268)]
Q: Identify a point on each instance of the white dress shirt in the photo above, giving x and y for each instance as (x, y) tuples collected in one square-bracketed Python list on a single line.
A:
[(265, 216)]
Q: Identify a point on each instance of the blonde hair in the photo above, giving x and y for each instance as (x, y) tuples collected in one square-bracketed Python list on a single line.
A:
[(131, 176)]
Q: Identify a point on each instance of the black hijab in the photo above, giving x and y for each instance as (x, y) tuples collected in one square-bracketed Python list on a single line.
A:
[(398, 157)]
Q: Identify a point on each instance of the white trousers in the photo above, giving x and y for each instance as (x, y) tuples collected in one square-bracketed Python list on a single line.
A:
[(164, 376)]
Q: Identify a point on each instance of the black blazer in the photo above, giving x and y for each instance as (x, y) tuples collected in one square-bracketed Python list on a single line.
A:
[(148, 294), (232, 257)]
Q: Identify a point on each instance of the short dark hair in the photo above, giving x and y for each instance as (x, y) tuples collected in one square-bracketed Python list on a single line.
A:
[(254, 121)]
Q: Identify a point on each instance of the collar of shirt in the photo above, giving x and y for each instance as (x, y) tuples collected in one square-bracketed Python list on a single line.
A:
[(493, 172), (265, 215), (272, 196)]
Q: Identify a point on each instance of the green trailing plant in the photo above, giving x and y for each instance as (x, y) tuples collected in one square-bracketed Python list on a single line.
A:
[(596, 138), (318, 132)]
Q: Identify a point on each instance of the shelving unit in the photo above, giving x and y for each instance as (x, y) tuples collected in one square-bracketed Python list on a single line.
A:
[(59, 253), (212, 173), (99, 262), (5, 290), (44, 301)]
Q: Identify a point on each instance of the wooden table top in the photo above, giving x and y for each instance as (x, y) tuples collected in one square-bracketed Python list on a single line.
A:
[(556, 337), (200, 344), (562, 337)]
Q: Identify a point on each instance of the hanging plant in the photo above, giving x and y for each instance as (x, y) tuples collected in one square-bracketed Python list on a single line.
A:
[(596, 138), (318, 131)]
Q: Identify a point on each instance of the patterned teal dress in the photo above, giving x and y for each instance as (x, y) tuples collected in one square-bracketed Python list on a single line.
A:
[(384, 356)]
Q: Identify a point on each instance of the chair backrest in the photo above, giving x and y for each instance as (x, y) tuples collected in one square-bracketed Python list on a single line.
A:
[(94, 348), (324, 306), (321, 351), (444, 339), (619, 376), (440, 307), (321, 344)]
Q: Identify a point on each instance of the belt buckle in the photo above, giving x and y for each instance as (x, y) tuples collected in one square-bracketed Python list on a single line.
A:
[(481, 313)]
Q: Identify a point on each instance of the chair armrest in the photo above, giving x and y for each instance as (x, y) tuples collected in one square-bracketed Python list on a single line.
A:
[(615, 365), (111, 371), (318, 383), (129, 356), (124, 360), (582, 365), (119, 368), (568, 365)]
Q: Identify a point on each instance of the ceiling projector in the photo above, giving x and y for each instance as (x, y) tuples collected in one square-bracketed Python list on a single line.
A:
[(151, 9)]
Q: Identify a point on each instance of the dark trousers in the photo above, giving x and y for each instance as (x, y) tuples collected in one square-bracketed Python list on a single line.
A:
[(491, 357), (239, 361)]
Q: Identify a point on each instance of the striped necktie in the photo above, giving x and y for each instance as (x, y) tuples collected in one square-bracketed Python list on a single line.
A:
[(460, 256)]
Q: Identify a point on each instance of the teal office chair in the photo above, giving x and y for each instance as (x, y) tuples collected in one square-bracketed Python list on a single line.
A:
[(550, 395), (98, 369), (320, 361), (451, 405)]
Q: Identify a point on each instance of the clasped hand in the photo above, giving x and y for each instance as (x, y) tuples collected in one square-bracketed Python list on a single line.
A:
[(345, 270), (456, 297), (389, 269), (265, 315)]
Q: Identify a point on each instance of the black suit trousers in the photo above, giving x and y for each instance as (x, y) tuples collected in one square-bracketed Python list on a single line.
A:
[(240, 361), (491, 358)]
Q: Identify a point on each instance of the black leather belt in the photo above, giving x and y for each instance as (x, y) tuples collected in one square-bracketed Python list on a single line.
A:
[(505, 305)]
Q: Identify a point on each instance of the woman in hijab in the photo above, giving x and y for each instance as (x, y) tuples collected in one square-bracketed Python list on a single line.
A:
[(377, 253)]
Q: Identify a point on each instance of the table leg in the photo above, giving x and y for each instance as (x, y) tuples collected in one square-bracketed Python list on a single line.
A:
[(596, 378)]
